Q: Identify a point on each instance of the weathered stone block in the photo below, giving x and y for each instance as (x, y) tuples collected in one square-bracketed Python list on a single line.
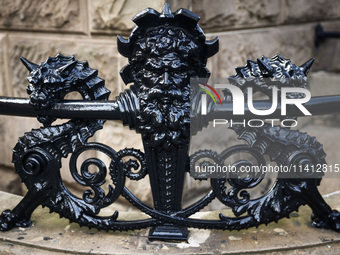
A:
[(61, 15), (122, 62), (324, 83), (112, 16), (5, 89), (221, 15), (11, 128), (307, 11), (54, 236), (101, 55), (236, 48), (178, 4), (117, 136), (325, 135), (10, 181), (328, 53)]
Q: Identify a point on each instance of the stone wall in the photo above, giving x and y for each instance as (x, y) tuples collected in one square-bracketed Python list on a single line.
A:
[(246, 29), (249, 29)]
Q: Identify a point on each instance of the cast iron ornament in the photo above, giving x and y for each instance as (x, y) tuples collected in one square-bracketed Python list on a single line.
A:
[(165, 50)]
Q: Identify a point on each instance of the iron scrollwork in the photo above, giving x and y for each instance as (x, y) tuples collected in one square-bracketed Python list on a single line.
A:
[(165, 51)]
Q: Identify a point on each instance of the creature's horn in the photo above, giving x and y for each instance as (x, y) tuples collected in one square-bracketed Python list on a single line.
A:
[(167, 11), (29, 65), (67, 68), (307, 66)]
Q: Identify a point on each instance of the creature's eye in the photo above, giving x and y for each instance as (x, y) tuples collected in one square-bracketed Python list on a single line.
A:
[(44, 69), (179, 74), (148, 74)]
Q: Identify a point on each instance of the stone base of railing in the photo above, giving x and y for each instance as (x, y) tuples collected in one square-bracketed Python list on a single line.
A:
[(50, 235)]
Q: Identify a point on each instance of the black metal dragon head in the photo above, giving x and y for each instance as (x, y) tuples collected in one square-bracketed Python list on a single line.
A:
[(266, 72), (52, 80)]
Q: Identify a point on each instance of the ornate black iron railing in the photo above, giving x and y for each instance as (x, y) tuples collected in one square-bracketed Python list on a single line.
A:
[(321, 35), (165, 50)]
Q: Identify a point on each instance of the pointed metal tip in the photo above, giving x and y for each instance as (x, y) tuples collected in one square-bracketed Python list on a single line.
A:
[(307, 66), (166, 8), (28, 64), (67, 68), (166, 11)]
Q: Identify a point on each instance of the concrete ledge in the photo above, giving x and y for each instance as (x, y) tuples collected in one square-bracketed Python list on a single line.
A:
[(51, 235)]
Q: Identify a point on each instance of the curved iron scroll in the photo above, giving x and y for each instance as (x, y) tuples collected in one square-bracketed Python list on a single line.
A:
[(165, 50)]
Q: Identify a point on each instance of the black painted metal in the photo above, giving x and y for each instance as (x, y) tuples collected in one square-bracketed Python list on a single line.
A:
[(109, 110), (321, 35), (165, 51)]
